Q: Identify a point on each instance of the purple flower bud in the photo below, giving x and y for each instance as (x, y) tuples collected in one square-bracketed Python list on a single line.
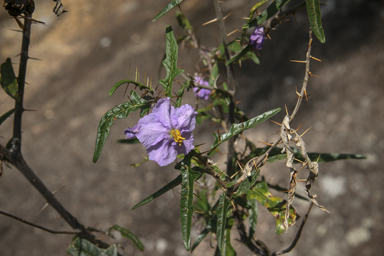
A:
[(166, 132), (202, 93), (130, 133), (257, 38)]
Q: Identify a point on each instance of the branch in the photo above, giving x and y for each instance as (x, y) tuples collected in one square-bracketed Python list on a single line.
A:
[(297, 237), (37, 226), (231, 85)]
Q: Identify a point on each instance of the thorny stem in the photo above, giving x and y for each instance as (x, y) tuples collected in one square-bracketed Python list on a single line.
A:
[(297, 237), (15, 157), (299, 100), (16, 140), (231, 85)]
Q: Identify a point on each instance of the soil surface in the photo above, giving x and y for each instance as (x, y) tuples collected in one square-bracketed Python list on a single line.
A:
[(84, 52)]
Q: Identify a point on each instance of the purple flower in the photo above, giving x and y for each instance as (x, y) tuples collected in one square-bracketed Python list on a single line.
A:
[(201, 92), (166, 132), (257, 38)]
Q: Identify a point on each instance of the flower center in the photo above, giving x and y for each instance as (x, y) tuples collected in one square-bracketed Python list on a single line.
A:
[(177, 137)]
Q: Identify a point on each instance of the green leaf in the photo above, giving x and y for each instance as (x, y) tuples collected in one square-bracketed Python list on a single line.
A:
[(167, 9), (130, 141), (8, 79), (119, 112), (82, 247), (163, 190), (127, 81), (170, 62), (252, 218), (271, 10), (314, 16), (229, 251), (248, 183), (275, 205), (6, 115), (183, 22), (214, 75), (202, 235), (221, 220), (238, 128), (239, 55), (186, 201), (128, 234)]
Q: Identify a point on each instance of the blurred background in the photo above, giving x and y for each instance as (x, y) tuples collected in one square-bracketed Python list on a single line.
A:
[(86, 51)]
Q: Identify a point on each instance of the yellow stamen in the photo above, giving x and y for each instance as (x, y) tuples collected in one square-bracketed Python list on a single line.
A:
[(177, 136)]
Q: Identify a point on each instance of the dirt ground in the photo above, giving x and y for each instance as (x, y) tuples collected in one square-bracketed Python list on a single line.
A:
[(87, 50)]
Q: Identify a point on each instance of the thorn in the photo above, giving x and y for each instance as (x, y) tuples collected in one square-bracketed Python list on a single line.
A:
[(265, 143), (199, 212), (218, 132), (286, 110), (301, 180), (275, 122), (234, 31), (233, 204), (31, 58), (218, 151), (298, 94), (309, 72), (227, 16), (299, 160), (306, 96), (196, 196), (42, 209), (298, 128), (298, 61), (305, 131), (317, 160), (244, 18), (234, 174), (319, 60), (209, 22)]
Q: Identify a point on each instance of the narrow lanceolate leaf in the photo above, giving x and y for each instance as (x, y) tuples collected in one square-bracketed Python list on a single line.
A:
[(167, 9), (238, 128), (128, 234), (275, 205), (253, 213), (8, 79), (248, 183), (239, 55), (271, 10), (127, 81), (82, 247), (229, 250), (6, 115), (170, 62), (221, 211), (314, 16), (186, 202), (202, 235), (160, 192), (119, 112)]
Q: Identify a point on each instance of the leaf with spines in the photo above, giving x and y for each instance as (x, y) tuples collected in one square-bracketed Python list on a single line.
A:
[(127, 81), (248, 183), (268, 13), (314, 16), (128, 234), (82, 247), (275, 205), (221, 211), (186, 201), (170, 62), (239, 128), (174, 183), (8, 79), (119, 112), (172, 4)]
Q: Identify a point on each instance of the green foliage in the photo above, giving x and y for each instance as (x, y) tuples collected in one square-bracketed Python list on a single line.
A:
[(119, 112), (174, 183), (248, 183), (186, 201), (238, 128), (82, 247), (222, 221), (128, 234), (8, 79), (275, 205), (314, 16), (172, 4), (127, 81), (268, 13), (183, 22), (6, 115), (170, 62)]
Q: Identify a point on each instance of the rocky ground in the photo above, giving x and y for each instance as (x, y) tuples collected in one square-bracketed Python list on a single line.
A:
[(85, 51)]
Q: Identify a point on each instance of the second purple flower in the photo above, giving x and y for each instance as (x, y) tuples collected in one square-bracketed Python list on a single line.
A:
[(257, 38), (202, 93)]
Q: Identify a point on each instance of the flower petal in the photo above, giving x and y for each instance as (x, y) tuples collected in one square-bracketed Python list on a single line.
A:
[(162, 152), (163, 111), (185, 118), (151, 131)]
